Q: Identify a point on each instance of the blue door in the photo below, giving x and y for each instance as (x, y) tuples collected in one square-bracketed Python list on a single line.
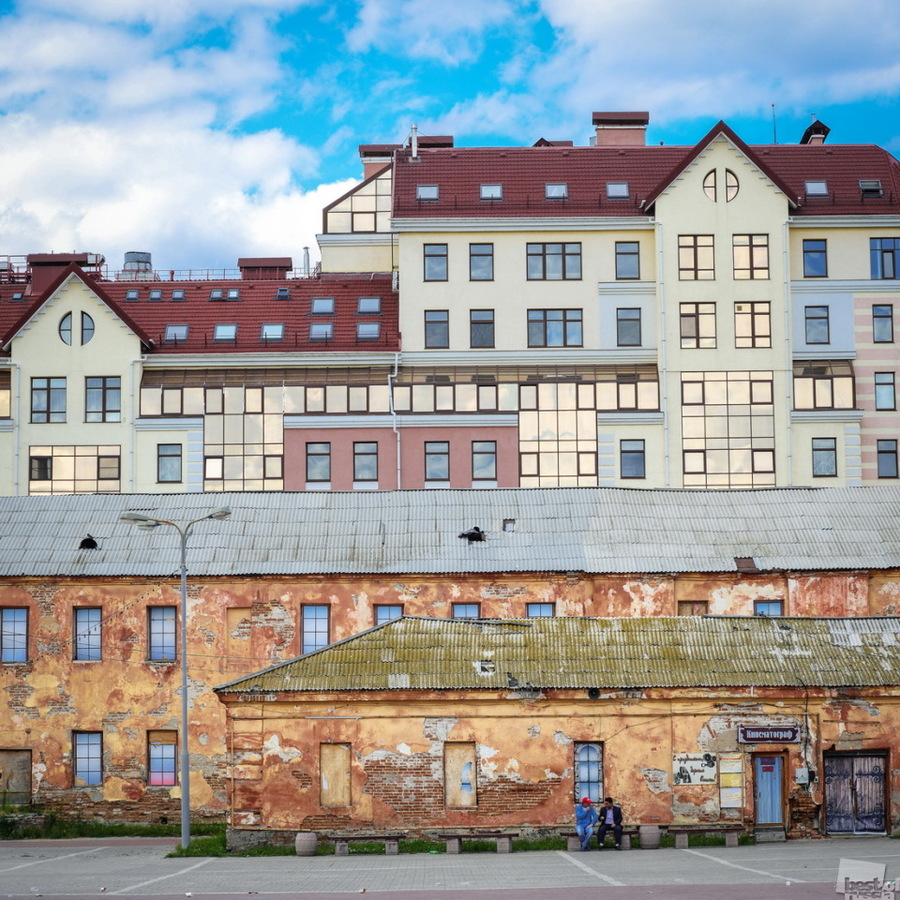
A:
[(767, 779)]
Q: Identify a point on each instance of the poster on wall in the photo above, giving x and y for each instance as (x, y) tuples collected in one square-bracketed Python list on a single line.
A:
[(694, 768), (731, 780)]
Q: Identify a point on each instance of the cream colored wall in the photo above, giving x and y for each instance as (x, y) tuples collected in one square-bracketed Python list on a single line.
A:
[(355, 256), (41, 353), (510, 294), (847, 251), (144, 462), (609, 438), (758, 208)]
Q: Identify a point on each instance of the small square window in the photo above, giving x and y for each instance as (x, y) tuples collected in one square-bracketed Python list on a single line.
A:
[(557, 191), (283, 293), (767, 607), (175, 333), (466, 610), (816, 188), (321, 331), (233, 294), (427, 192), (132, 294), (272, 331), (492, 192), (870, 187), (215, 294), (178, 294), (225, 333), (322, 306), (368, 331), (369, 305), (156, 294), (617, 190)]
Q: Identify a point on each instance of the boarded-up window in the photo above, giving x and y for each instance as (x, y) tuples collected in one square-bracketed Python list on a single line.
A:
[(459, 775), (334, 769)]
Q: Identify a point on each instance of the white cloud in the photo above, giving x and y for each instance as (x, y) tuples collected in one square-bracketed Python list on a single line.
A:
[(426, 29), (713, 59)]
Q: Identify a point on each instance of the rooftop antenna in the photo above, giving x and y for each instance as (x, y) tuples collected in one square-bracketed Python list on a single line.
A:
[(414, 140), (774, 131)]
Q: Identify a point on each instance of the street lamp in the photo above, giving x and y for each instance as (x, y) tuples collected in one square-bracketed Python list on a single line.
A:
[(184, 531)]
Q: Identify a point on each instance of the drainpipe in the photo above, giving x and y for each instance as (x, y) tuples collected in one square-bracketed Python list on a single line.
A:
[(16, 388), (391, 378), (663, 345), (788, 362), (135, 414)]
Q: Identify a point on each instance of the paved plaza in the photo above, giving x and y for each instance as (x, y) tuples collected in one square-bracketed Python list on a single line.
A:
[(798, 870)]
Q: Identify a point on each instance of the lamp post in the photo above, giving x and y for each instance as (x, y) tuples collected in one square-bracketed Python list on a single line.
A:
[(184, 531)]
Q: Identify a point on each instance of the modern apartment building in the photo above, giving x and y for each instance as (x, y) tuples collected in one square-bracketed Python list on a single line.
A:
[(619, 314)]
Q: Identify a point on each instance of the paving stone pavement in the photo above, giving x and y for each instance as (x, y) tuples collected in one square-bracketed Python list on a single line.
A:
[(798, 870)]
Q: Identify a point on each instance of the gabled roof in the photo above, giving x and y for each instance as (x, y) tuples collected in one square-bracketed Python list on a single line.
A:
[(720, 129), (593, 530), (261, 301), (647, 169), (9, 331), (528, 655)]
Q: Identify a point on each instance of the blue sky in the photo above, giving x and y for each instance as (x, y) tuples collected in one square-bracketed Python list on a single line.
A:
[(205, 130)]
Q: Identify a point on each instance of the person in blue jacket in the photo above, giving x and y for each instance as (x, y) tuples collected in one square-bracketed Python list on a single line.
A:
[(585, 820)]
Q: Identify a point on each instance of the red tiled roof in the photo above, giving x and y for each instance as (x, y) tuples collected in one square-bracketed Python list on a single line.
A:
[(259, 304), (523, 172)]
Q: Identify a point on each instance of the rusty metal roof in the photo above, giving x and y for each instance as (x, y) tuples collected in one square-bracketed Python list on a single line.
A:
[(593, 530), (528, 655)]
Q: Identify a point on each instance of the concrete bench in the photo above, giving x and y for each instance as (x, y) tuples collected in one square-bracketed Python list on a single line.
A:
[(342, 842), (573, 842), (683, 832), (504, 839)]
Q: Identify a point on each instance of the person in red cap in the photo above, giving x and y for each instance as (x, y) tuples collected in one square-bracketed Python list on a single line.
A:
[(585, 820)]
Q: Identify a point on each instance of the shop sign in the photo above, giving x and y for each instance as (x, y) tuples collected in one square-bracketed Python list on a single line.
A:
[(769, 734)]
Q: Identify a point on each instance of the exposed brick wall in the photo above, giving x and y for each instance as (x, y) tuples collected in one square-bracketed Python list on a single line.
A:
[(804, 817)]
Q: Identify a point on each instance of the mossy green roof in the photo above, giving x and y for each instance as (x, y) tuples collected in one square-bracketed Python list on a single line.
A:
[(570, 653)]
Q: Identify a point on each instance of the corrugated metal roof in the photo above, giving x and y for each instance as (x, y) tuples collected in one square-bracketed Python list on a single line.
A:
[(593, 530), (566, 652)]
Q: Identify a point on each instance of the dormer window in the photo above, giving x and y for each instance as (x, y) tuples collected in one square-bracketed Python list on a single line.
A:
[(870, 187), (175, 334), (369, 305), (156, 294), (132, 294), (816, 188), (272, 331), (322, 306), (233, 294), (617, 190), (178, 294), (368, 331), (427, 192), (225, 332), (492, 192), (556, 191), (215, 294)]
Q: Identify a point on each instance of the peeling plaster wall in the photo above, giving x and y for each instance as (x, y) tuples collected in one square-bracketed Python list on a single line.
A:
[(240, 626), (525, 748)]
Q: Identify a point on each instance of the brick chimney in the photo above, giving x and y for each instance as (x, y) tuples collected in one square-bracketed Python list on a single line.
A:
[(620, 129)]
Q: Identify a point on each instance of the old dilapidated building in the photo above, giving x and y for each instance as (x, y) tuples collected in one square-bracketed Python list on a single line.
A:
[(785, 725), (90, 606)]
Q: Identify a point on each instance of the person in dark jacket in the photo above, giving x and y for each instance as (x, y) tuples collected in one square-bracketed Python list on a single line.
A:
[(585, 820), (610, 818)]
